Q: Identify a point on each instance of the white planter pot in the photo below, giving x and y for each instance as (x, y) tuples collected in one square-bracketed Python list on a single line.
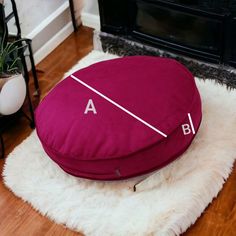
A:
[(12, 94)]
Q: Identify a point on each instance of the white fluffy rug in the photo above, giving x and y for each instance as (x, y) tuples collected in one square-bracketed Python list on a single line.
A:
[(166, 203)]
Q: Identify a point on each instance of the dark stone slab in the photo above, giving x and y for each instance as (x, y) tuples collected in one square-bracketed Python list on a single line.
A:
[(124, 47)]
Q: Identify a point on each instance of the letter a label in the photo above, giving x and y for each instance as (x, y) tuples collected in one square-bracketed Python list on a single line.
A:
[(90, 107)]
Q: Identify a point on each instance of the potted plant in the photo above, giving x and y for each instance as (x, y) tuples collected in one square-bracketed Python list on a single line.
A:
[(12, 83)]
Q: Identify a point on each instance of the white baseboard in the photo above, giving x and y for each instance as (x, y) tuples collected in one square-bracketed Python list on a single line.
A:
[(48, 47), (90, 20), (48, 21), (51, 32)]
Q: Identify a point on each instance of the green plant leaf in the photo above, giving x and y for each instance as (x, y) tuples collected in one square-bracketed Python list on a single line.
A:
[(10, 56)]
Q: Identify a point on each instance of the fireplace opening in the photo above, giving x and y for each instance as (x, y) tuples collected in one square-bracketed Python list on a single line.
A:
[(199, 29)]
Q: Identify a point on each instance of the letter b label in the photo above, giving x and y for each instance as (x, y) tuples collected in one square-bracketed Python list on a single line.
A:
[(186, 129)]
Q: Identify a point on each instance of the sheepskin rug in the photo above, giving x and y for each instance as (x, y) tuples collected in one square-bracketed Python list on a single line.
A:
[(166, 202)]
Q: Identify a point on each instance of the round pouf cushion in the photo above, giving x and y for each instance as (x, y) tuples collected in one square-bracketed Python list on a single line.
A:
[(120, 118)]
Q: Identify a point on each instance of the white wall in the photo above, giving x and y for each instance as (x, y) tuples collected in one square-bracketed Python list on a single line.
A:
[(32, 13), (90, 14), (91, 7), (46, 22)]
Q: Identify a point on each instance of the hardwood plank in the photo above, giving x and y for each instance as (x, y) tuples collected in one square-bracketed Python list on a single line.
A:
[(16, 216), (220, 216), (19, 218)]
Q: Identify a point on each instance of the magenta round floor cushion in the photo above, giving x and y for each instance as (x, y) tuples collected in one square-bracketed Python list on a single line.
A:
[(120, 118)]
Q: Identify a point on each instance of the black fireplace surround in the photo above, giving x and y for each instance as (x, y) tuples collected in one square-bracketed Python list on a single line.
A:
[(204, 30)]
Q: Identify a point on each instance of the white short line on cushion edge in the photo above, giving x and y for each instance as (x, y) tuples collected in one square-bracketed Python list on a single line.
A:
[(119, 106), (191, 123)]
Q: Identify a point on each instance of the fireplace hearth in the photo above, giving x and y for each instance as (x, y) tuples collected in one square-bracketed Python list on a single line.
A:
[(201, 29)]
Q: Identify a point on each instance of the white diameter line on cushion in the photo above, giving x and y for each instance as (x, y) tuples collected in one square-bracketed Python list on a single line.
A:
[(119, 106)]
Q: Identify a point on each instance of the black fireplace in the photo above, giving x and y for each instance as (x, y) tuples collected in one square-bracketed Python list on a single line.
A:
[(202, 29)]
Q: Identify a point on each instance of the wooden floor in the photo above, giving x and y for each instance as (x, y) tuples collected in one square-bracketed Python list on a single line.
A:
[(19, 219)]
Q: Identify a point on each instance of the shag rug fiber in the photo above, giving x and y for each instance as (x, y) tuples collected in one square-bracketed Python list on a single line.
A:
[(165, 203)]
